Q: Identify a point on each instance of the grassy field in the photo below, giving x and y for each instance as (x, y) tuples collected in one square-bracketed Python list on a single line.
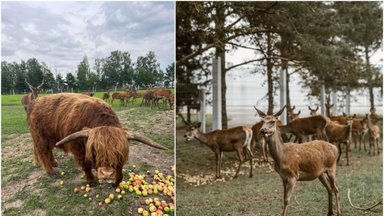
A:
[(199, 194), (27, 190)]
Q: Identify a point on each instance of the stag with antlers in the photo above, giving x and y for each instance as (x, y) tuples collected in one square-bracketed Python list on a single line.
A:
[(304, 162), (27, 99)]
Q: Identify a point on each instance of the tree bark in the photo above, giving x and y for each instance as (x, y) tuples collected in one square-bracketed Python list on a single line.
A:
[(269, 74), (220, 52), (369, 77)]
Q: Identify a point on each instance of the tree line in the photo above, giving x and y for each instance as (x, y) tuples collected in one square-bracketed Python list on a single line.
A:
[(327, 43), (113, 72)]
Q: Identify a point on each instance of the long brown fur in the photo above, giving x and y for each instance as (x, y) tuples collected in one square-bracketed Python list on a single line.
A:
[(56, 116)]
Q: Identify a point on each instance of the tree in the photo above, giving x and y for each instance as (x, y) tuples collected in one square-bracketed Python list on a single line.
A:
[(59, 83), (70, 80), (364, 21), (169, 75), (7, 77), (83, 72)]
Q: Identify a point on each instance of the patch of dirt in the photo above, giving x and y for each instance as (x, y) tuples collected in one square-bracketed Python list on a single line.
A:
[(16, 145), (39, 212), (15, 204), (160, 123), (11, 189), (153, 157)]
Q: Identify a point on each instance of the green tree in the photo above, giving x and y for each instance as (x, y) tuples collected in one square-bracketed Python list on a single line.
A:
[(83, 72), (70, 80), (169, 75)]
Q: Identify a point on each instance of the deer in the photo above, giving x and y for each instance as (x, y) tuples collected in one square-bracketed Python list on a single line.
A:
[(373, 115), (340, 134), (290, 110), (374, 136), (359, 130), (227, 140), (312, 125), (27, 99), (106, 96), (292, 116), (304, 162), (313, 112)]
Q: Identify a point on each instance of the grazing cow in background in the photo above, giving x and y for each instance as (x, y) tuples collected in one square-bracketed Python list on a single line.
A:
[(88, 128), (27, 99)]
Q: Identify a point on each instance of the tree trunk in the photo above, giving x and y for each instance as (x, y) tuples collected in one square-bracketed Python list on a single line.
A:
[(269, 75), (369, 78), (220, 52)]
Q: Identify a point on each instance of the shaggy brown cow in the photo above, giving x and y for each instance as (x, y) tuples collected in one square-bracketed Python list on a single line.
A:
[(27, 99), (85, 126)]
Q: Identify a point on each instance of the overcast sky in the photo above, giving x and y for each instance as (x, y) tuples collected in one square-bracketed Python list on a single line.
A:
[(61, 33)]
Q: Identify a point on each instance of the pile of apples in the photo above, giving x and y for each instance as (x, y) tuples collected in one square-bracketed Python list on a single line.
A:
[(140, 185)]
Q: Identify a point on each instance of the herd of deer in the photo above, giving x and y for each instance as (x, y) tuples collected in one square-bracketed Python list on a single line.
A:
[(149, 98), (316, 158)]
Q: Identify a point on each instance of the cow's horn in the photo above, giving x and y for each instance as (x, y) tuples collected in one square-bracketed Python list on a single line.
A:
[(74, 136), (143, 139)]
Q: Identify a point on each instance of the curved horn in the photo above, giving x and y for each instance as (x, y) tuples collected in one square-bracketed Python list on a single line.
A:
[(261, 114), (310, 108), (317, 108), (280, 111), (74, 136), (143, 139)]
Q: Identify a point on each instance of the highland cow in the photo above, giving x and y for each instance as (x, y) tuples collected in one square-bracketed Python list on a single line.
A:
[(88, 128)]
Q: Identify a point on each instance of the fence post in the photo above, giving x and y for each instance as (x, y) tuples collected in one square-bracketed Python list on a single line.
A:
[(283, 94), (216, 94), (202, 110)]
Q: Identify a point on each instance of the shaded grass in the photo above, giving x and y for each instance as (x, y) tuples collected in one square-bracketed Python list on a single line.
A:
[(263, 194)]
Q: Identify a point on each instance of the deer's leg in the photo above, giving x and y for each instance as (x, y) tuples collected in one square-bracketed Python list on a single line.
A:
[(250, 172), (339, 147), (240, 155), (324, 180), (332, 179), (289, 184), (217, 158), (347, 147)]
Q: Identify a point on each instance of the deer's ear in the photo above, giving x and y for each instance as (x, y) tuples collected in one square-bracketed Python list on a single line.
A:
[(299, 112), (198, 125), (261, 114)]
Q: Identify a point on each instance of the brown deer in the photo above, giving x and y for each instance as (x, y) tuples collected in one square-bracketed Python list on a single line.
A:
[(290, 111), (313, 112), (304, 162), (301, 127), (292, 116), (227, 140), (340, 134), (106, 96), (359, 130), (374, 135), (27, 99)]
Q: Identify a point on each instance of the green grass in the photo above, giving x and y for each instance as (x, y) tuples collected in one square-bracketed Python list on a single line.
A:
[(263, 194), (27, 190)]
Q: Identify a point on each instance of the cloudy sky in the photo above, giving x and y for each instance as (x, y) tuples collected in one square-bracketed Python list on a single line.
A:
[(61, 33)]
